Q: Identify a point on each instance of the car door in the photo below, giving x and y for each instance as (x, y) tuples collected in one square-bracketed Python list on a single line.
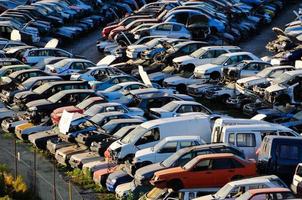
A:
[(149, 139), (247, 142), (223, 170), (76, 67), (200, 175), (163, 29), (250, 69), (176, 32), (165, 151)]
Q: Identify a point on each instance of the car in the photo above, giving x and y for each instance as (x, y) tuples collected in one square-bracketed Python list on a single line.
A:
[(79, 108), (205, 171), (175, 108), (110, 107), (214, 69), (46, 90), (263, 77), (267, 193), (202, 55), (7, 70), (236, 188), (77, 160), (39, 109), (9, 61), (285, 89), (68, 66), (244, 69), (163, 150), (181, 157), (96, 73), (221, 93), (47, 61), (33, 56), (297, 179), (109, 81), (172, 29), (8, 93)]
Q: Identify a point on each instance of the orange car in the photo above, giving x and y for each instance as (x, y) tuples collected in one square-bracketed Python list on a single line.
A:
[(205, 171)]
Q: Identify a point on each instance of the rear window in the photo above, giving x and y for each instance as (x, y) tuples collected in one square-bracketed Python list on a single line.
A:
[(288, 152), (245, 140)]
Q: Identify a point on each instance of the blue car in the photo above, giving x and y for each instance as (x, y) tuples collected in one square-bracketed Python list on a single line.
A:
[(110, 81), (117, 178)]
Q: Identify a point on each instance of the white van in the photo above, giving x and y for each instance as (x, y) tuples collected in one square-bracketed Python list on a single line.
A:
[(225, 121), (249, 137), (150, 133)]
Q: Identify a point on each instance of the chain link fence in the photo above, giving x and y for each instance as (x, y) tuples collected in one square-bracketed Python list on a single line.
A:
[(40, 174)]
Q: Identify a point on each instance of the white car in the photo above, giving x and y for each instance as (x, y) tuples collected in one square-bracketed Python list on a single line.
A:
[(96, 73), (263, 77), (214, 69), (164, 149), (235, 189), (68, 66), (176, 108), (203, 55), (222, 93), (134, 51), (171, 29), (33, 56), (114, 107)]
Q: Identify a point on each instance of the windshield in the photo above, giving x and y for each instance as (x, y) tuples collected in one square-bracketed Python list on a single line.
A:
[(152, 43), (220, 60), (171, 159), (113, 88), (83, 104), (298, 115), (283, 78), (134, 135), (54, 98), (93, 110), (264, 72), (198, 53), (223, 192), (170, 106), (61, 63), (122, 132), (41, 89)]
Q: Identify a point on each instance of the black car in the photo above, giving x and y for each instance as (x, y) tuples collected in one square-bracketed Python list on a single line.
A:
[(19, 77), (42, 108), (46, 90)]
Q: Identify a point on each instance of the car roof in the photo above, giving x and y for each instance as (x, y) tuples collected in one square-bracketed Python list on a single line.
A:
[(144, 91), (117, 121), (105, 104), (76, 91), (294, 72), (181, 138), (76, 60), (186, 102), (215, 155), (37, 78), (255, 127), (220, 47), (156, 122), (253, 180), (129, 83), (268, 190), (273, 137), (237, 53), (15, 66), (64, 82), (16, 73)]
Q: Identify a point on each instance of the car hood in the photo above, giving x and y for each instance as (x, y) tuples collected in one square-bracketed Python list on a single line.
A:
[(148, 171), (251, 80), (182, 59), (206, 67), (158, 110), (158, 76), (174, 170), (174, 80), (41, 102), (139, 47), (275, 88), (19, 95), (198, 85), (144, 152), (67, 108), (136, 111)]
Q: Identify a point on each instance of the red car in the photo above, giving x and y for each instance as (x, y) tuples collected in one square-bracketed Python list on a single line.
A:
[(80, 108), (267, 193), (205, 171)]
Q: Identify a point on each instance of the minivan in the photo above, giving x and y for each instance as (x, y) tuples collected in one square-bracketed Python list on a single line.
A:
[(280, 155), (249, 137), (150, 133)]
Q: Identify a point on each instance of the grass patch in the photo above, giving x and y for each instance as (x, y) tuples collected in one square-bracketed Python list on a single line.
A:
[(7, 135)]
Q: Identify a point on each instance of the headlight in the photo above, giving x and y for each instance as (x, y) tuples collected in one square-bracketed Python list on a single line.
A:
[(135, 160), (113, 181), (156, 178)]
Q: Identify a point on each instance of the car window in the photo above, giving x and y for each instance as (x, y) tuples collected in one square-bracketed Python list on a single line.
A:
[(245, 140), (77, 66), (232, 60), (164, 27), (87, 65), (184, 144), (134, 87), (185, 109), (150, 136), (60, 53), (208, 54), (202, 165), (236, 164), (44, 53), (232, 138), (252, 66), (288, 152), (124, 79), (176, 27), (169, 147), (114, 81), (219, 52), (221, 163)]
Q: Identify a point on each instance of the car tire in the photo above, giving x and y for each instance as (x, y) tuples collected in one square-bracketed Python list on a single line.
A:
[(181, 88), (175, 184), (189, 67), (215, 75), (224, 98), (103, 180), (129, 158)]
